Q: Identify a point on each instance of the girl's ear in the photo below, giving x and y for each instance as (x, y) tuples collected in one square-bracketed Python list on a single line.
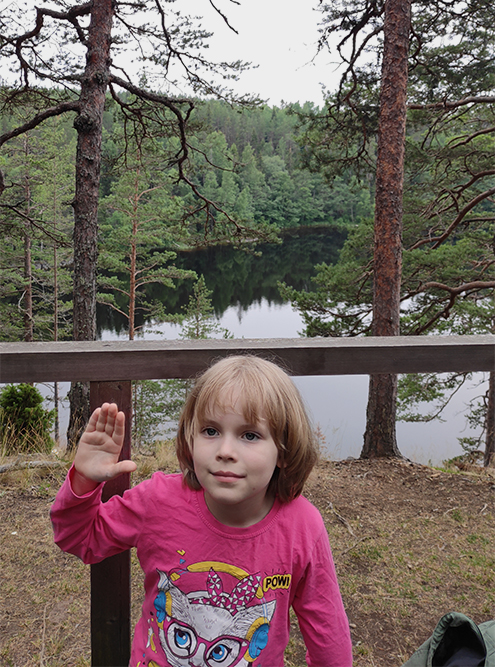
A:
[(280, 459)]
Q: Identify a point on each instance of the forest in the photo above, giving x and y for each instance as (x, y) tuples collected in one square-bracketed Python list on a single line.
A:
[(248, 161), (109, 172), (399, 157)]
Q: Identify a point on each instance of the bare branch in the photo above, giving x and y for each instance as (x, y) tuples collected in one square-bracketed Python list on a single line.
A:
[(454, 143), (445, 104), (475, 285), (71, 17), (38, 224), (36, 120), (41, 12), (208, 206), (22, 465), (112, 306), (437, 240), (453, 294), (223, 15)]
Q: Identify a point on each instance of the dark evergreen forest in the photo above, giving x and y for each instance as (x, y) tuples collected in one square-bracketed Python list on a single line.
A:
[(247, 161)]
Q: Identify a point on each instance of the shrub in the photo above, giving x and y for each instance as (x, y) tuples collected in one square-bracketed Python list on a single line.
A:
[(24, 423)]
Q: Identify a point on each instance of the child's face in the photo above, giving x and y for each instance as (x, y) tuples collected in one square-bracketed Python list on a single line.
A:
[(234, 462)]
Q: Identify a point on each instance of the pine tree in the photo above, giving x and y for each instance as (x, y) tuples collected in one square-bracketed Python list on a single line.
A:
[(84, 76), (450, 71), (157, 402), (143, 223)]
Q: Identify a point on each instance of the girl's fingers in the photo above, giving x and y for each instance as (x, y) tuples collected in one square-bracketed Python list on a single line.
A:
[(103, 417), (115, 422), (124, 466), (93, 420), (105, 421), (119, 425)]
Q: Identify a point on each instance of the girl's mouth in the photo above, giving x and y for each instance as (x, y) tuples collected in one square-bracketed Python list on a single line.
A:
[(226, 475)]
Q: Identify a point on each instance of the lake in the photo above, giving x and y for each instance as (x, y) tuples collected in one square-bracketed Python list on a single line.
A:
[(248, 304)]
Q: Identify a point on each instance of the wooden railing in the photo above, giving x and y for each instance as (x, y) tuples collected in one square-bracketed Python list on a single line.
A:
[(110, 367)]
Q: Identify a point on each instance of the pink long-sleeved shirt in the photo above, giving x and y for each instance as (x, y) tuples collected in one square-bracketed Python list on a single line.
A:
[(214, 595)]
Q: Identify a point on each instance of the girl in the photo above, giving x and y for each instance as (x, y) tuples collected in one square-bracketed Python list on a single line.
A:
[(229, 545)]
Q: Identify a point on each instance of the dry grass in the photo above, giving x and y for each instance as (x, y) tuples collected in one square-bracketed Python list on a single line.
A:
[(44, 592), (32, 442), (410, 544)]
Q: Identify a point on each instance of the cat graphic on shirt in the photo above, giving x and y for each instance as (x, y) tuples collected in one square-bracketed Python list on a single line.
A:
[(212, 628)]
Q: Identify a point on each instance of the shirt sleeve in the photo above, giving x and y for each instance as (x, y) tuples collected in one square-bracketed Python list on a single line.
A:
[(320, 611), (93, 530)]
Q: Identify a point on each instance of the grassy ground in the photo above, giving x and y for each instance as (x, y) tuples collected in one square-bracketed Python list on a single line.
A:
[(410, 544)]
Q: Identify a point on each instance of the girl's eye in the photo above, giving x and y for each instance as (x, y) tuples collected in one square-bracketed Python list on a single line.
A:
[(210, 431), (252, 437)]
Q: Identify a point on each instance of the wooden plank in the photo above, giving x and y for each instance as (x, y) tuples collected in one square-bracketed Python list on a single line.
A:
[(139, 360), (111, 579)]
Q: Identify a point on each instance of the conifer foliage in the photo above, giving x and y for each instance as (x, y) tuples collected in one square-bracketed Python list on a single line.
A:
[(447, 276), (64, 59), (24, 423)]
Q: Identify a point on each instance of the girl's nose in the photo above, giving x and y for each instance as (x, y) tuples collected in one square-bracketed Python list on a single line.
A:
[(226, 449)]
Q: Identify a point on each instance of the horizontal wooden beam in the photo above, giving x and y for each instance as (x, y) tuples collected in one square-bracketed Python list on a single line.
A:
[(140, 360)]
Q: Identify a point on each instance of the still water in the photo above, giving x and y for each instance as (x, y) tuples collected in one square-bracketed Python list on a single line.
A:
[(247, 303), (337, 404)]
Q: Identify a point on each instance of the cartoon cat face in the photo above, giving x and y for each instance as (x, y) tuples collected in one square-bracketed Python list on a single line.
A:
[(203, 630)]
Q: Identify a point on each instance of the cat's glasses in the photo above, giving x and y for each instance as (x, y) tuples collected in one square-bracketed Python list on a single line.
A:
[(183, 642)]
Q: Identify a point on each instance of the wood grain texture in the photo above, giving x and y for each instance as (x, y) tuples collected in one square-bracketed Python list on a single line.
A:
[(140, 360), (111, 579)]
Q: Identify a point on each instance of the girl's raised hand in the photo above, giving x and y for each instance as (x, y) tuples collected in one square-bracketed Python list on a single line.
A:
[(97, 456)]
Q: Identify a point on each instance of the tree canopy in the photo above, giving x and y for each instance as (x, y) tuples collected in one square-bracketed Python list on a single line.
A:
[(446, 278), (66, 61)]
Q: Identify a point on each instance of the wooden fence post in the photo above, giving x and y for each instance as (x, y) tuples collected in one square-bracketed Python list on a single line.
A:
[(111, 579)]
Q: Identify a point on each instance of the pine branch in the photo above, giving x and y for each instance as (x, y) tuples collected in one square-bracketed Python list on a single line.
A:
[(36, 120), (445, 104)]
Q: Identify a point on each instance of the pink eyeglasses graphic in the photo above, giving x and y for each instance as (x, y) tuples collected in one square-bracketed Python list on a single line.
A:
[(183, 642)]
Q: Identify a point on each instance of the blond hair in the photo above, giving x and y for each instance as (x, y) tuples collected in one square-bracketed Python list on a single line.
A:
[(267, 393)]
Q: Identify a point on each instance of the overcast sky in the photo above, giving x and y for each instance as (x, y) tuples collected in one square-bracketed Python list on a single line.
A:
[(278, 35)]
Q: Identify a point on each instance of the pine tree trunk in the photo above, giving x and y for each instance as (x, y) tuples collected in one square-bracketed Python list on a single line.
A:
[(79, 412), (28, 267), (88, 160), (56, 425), (489, 459), (380, 437), (28, 288), (133, 258)]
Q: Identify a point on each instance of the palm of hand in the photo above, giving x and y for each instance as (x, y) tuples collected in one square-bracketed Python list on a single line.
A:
[(97, 457)]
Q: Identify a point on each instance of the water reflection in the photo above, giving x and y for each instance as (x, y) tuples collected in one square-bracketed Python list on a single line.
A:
[(238, 279), (337, 404), (248, 304)]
